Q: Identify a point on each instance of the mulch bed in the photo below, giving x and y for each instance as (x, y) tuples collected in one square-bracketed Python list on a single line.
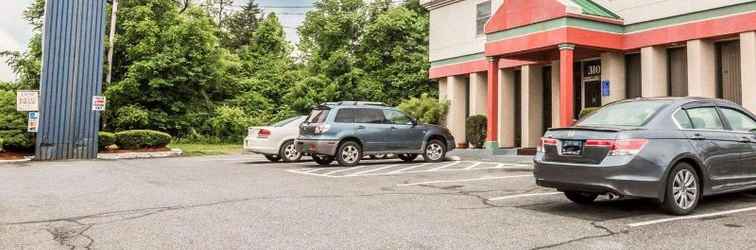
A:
[(9, 156), (144, 150)]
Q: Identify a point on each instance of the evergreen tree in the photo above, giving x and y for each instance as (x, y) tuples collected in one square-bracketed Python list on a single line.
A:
[(240, 26)]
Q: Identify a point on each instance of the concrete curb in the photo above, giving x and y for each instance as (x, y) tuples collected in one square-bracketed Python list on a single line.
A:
[(140, 155), (26, 159)]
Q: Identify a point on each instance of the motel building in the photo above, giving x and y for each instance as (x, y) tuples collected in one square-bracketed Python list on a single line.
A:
[(529, 65)]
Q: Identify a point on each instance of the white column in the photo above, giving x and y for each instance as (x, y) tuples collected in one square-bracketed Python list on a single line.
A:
[(555, 94), (702, 65), (455, 120), (478, 93), (532, 105), (654, 71), (506, 108), (442, 89), (613, 70), (748, 69)]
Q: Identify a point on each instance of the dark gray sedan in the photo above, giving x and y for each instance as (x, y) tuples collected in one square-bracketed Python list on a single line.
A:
[(674, 150)]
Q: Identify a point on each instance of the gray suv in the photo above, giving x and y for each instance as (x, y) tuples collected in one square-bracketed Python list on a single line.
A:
[(348, 131)]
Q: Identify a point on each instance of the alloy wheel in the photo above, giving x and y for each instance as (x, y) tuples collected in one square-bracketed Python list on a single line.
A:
[(685, 189), (350, 154), (434, 151), (290, 152)]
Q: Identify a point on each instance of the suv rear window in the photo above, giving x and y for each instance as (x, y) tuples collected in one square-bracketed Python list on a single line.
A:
[(627, 114), (318, 116), (345, 116)]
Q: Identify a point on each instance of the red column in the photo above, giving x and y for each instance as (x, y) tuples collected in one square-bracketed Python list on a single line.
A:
[(566, 95), (492, 131)]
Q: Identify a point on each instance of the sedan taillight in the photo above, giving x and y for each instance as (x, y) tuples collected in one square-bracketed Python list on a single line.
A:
[(545, 141), (619, 147), (263, 133)]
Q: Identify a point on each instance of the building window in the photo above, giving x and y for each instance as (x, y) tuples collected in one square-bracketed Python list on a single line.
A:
[(482, 16)]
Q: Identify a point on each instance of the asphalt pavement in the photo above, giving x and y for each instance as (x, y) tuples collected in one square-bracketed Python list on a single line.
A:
[(244, 202)]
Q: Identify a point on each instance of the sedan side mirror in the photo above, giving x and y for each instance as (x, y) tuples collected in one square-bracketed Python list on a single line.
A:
[(413, 122)]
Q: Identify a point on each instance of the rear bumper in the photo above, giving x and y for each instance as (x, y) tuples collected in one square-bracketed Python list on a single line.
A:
[(317, 147), (623, 180), (258, 146)]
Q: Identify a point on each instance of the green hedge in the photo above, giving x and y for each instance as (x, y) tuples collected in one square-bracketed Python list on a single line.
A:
[(138, 139), (475, 130), (105, 139)]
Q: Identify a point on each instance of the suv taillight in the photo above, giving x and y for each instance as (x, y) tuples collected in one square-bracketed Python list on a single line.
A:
[(545, 141), (322, 128), (619, 147), (263, 133)]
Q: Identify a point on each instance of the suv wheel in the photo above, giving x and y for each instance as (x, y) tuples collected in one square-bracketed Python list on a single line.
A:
[(682, 190), (288, 152), (273, 158), (349, 154), (581, 197), (407, 157), (435, 151), (322, 159)]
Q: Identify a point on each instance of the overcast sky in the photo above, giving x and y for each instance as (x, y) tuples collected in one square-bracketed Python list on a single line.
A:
[(15, 32)]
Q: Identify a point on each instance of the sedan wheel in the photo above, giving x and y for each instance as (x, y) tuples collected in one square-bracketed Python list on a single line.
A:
[(683, 192), (349, 154), (435, 151), (289, 152)]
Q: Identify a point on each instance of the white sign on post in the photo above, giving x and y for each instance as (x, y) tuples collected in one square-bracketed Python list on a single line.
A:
[(27, 100), (98, 103), (33, 122)]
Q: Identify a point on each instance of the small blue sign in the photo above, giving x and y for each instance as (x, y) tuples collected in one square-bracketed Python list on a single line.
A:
[(605, 88)]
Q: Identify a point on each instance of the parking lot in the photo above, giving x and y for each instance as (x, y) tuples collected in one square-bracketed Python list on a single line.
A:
[(246, 202)]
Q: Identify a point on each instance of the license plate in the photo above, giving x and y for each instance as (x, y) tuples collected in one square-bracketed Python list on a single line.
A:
[(572, 147)]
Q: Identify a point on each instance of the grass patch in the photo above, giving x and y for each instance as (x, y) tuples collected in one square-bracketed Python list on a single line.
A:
[(191, 149)]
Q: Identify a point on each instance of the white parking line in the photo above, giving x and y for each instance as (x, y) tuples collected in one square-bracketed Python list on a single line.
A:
[(346, 169), (371, 170), (690, 217), (445, 166), (508, 197), (408, 168), (463, 180), (473, 165)]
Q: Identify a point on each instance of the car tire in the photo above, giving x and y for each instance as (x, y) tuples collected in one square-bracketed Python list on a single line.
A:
[(349, 154), (407, 157), (322, 160), (435, 151), (288, 152), (686, 181), (273, 158), (582, 198)]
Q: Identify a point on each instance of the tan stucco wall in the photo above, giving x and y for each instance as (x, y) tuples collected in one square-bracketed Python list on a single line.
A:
[(506, 108), (654, 71), (635, 11), (613, 70), (455, 120), (478, 93), (748, 69), (702, 64), (452, 30), (532, 105)]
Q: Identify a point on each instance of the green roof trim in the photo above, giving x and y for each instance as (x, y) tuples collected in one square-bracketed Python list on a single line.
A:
[(458, 59), (692, 17), (591, 8), (555, 24)]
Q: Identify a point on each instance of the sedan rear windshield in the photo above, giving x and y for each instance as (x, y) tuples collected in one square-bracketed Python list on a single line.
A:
[(627, 114), (317, 116)]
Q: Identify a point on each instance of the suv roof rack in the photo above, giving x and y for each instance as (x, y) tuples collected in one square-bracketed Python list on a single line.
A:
[(355, 103)]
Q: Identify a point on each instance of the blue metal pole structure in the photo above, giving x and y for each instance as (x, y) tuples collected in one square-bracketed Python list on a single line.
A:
[(72, 68)]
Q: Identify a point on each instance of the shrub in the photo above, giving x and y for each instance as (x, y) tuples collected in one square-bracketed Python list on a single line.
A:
[(230, 123), (475, 130), (13, 135), (138, 139), (426, 109), (105, 139), (587, 111), (131, 117)]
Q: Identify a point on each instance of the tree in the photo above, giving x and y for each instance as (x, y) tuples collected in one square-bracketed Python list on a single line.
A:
[(394, 52), (174, 67), (241, 26), (28, 65)]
